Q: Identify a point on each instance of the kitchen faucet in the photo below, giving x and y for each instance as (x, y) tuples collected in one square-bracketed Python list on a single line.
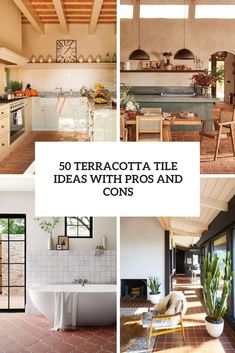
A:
[(61, 90)]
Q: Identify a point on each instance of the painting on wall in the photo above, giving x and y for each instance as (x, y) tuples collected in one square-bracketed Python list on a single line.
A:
[(63, 242)]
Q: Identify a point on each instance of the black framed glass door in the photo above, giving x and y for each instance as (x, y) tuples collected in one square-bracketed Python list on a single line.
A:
[(12, 262)]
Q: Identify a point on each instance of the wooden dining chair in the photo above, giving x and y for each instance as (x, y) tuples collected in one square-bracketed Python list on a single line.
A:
[(151, 111), (148, 128), (123, 129), (219, 128)]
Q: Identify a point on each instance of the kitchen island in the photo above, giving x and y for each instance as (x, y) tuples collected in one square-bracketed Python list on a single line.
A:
[(175, 99)]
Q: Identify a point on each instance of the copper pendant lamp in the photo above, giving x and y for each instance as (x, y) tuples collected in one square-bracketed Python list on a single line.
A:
[(139, 54), (184, 54)]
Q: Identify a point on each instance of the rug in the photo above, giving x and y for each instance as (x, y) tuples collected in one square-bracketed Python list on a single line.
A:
[(134, 338)]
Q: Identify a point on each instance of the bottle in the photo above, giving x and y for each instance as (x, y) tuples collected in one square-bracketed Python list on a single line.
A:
[(114, 59), (104, 242), (107, 58)]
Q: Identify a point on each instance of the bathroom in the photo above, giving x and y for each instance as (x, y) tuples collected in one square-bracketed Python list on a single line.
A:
[(76, 277)]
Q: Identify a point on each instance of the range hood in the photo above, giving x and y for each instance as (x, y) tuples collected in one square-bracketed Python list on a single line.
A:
[(8, 57)]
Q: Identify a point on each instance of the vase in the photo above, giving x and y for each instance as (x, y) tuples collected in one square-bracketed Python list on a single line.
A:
[(50, 242), (205, 92), (131, 113), (168, 66)]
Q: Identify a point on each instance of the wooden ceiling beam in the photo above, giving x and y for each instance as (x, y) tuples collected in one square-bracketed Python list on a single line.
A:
[(214, 204), (97, 5), (188, 221), (61, 15), (179, 232), (30, 13)]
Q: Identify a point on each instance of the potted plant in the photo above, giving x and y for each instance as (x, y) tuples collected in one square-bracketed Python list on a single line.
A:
[(48, 226), (154, 285), (127, 101), (217, 285), (131, 108)]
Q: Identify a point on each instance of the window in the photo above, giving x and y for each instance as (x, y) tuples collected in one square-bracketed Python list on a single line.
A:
[(215, 11), (220, 248), (164, 11), (13, 262), (79, 227), (126, 11)]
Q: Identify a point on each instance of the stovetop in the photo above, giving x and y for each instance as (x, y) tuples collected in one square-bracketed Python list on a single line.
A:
[(5, 100)]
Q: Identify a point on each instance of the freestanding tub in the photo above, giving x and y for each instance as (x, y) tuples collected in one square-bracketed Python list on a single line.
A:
[(96, 302)]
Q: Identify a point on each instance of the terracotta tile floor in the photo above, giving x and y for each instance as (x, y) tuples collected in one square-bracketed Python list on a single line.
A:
[(225, 163), (22, 333), (197, 338), (24, 154)]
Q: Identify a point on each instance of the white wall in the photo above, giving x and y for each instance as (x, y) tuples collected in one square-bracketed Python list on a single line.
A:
[(142, 249), (48, 80), (103, 41), (203, 37), (10, 26), (23, 202)]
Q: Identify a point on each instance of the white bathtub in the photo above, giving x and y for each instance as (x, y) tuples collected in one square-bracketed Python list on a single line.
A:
[(96, 302)]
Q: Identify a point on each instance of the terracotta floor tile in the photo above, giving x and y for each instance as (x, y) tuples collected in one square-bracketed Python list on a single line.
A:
[(39, 348), (14, 348), (24, 153), (63, 347)]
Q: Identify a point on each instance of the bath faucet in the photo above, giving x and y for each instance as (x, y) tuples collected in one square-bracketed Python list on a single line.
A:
[(80, 281), (61, 90), (83, 281)]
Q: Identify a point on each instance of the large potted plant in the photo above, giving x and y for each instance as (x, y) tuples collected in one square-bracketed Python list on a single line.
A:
[(154, 285), (217, 285)]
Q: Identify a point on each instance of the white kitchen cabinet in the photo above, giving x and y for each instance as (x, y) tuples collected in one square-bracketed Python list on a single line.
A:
[(73, 118), (51, 118), (38, 117), (4, 130), (104, 125)]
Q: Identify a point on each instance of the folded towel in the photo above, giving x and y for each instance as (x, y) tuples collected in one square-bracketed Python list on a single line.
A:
[(19, 117), (66, 309), (62, 105)]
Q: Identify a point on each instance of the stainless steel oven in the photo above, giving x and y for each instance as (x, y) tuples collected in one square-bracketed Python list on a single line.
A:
[(17, 119)]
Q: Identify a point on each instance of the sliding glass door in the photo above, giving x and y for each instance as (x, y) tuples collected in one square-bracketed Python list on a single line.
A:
[(12, 262)]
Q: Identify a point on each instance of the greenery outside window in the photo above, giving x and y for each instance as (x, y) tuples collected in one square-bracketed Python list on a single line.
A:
[(79, 227)]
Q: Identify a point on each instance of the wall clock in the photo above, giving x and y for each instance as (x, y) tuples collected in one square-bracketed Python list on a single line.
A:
[(66, 51)]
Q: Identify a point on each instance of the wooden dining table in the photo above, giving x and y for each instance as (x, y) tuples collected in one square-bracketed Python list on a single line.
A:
[(174, 119)]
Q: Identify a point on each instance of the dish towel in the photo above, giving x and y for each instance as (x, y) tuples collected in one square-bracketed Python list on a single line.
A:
[(62, 105), (19, 117), (66, 311)]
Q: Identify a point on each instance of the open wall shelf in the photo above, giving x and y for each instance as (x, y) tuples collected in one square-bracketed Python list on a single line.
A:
[(64, 66), (163, 71)]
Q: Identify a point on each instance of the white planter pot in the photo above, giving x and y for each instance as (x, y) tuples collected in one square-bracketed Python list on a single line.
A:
[(154, 298), (214, 330)]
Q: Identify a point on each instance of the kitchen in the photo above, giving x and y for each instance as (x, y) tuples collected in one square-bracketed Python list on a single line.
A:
[(178, 63), (57, 76)]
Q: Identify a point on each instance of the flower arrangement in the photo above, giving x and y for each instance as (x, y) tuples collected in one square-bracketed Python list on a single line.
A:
[(208, 78), (86, 92), (204, 79), (132, 105), (47, 225), (167, 54)]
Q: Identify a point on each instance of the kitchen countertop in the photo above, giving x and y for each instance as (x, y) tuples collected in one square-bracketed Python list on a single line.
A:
[(175, 99)]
